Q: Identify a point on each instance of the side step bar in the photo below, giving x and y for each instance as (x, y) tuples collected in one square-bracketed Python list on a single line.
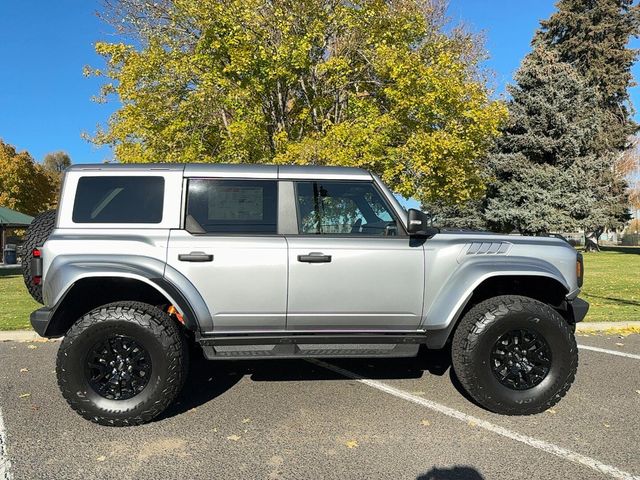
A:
[(310, 346)]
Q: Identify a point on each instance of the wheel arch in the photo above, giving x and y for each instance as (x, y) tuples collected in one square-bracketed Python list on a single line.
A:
[(478, 283), (75, 287)]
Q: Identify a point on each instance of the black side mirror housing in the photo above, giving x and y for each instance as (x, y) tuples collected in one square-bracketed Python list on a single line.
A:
[(418, 224)]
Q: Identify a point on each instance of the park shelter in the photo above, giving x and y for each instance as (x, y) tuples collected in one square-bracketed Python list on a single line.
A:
[(11, 219)]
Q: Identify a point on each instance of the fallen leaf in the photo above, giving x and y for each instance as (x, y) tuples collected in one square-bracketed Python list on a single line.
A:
[(426, 423), (233, 438), (23, 370), (32, 347), (606, 425), (351, 444), (25, 395), (472, 423), (551, 411), (101, 458), (215, 430), (638, 392), (246, 420)]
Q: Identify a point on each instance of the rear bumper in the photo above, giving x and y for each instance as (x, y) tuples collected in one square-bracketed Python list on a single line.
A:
[(40, 320)]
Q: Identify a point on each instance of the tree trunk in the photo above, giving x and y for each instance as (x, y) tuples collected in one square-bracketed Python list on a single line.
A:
[(591, 240)]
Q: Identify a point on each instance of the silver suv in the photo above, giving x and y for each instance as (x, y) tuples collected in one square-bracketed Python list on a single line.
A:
[(142, 262)]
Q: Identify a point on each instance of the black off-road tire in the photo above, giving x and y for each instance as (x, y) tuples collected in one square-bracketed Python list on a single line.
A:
[(476, 336), (37, 233), (154, 331)]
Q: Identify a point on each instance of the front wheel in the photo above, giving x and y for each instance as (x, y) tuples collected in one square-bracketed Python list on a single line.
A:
[(514, 355), (122, 364)]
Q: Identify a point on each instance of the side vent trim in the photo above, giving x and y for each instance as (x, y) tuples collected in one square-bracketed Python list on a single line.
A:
[(484, 248)]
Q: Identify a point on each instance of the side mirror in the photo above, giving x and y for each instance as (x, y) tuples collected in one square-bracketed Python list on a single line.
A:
[(418, 224)]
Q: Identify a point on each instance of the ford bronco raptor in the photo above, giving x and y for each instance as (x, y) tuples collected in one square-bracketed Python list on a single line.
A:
[(142, 262)]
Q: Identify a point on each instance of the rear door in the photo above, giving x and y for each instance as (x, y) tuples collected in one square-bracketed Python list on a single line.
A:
[(351, 265), (231, 251)]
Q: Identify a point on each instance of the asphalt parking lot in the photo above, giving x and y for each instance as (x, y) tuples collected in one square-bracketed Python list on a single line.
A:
[(361, 419)]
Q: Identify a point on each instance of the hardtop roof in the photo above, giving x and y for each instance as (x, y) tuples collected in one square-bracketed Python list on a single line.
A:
[(235, 170)]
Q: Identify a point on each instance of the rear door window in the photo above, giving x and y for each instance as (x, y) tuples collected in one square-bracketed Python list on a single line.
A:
[(233, 206), (119, 199)]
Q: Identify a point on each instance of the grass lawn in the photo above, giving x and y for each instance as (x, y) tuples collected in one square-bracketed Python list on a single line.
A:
[(15, 302), (612, 287)]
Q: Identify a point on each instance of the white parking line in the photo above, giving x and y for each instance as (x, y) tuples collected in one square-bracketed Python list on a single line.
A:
[(610, 352), (561, 452), (5, 464)]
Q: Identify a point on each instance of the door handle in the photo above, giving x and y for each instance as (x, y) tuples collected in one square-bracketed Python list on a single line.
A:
[(314, 257), (195, 257)]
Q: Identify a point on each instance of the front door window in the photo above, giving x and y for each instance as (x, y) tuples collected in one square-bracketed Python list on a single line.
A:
[(342, 208)]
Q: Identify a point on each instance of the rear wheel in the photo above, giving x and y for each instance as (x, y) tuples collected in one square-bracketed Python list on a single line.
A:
[(122, 364), (37, 233), (515, 355)]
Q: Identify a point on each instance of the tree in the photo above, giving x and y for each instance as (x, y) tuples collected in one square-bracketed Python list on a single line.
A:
[(56, 162), (561, 164), (629, 166), (593, 36), (24, 184), (371, 83), (538, 168)]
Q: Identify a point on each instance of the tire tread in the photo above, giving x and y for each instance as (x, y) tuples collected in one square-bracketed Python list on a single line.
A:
[(469, 334), (37, 233), (163, 328)]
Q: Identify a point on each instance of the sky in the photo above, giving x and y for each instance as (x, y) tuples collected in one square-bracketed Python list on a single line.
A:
[(46, 102)]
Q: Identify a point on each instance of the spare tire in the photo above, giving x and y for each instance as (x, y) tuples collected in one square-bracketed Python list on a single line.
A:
[(37, 233)]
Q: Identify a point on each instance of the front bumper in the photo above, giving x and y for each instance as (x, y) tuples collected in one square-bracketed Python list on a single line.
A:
[(40, 320), (578, 308)]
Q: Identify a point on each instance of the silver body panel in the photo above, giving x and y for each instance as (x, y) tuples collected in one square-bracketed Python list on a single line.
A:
[(374, 284), (245, 286), (255, 284)]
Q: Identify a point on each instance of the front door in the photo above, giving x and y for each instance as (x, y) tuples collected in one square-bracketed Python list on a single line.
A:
[(231, 252), (351, 267)]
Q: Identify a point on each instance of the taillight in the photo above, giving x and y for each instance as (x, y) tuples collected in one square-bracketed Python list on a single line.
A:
[(36, 266)]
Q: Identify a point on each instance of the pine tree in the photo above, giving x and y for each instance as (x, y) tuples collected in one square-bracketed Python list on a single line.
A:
[(557, 166), (535, 185), (593, 36)]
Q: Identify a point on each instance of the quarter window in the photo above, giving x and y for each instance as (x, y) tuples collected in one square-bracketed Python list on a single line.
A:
[(233, 206), (119, 199), (343, 208)]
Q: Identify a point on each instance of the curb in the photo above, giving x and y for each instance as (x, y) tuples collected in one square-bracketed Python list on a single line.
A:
[(22, 336), (589, 327), (609, 327)]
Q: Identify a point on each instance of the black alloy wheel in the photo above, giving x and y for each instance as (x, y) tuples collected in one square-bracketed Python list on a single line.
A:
[(118, 368), (521, 359)]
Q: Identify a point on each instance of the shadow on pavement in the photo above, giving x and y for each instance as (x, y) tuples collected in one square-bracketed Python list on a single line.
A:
[(210, 379), (453, 473)]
